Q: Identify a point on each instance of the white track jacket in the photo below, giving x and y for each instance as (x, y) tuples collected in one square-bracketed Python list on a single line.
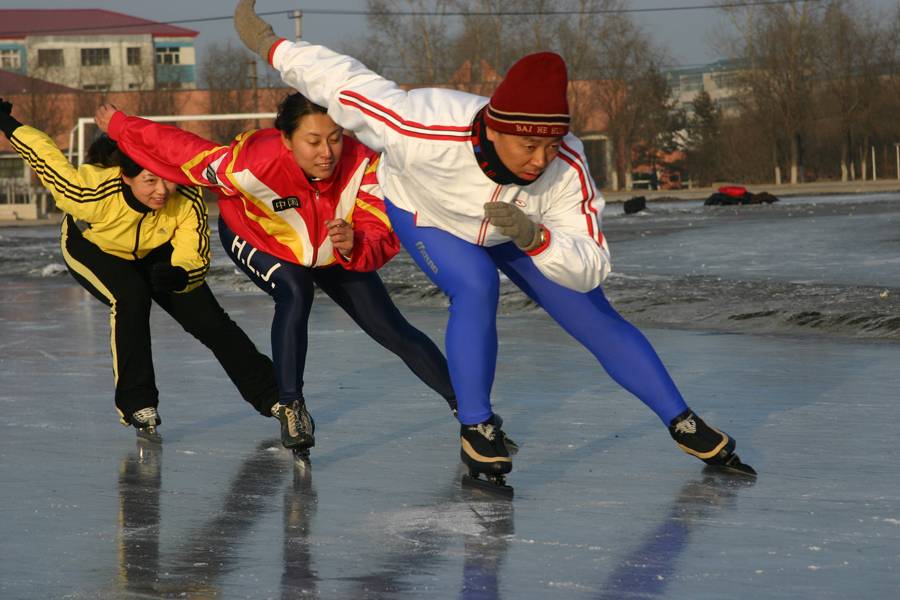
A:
[(429, 167)]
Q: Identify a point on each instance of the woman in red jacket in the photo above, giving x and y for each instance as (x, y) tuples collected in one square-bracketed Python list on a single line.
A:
[(299, 205)]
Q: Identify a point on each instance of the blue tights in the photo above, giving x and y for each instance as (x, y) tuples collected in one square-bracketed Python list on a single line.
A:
[(467, 274)]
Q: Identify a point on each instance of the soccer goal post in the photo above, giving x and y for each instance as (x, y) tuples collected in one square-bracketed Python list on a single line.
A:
[(77, 137)]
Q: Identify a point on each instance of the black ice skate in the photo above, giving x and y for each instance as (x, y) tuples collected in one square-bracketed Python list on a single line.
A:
[(710, 445), (484, 452), (297, 426), (511, 446), (145, 421)]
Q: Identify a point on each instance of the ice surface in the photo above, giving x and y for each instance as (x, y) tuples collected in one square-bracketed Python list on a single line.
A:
[(605, 507)]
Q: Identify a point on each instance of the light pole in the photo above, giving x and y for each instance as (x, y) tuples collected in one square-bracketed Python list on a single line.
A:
[(297, 16)]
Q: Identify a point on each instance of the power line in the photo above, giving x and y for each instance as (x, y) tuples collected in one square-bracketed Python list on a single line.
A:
[(424, 13)]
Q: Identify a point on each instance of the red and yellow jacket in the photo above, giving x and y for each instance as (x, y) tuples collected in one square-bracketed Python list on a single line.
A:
[(265, 198)]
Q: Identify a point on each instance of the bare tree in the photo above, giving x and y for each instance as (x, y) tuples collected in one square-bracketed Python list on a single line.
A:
[(409, 48), (849, 66), (230, 75), (631, 92), (777, 44)]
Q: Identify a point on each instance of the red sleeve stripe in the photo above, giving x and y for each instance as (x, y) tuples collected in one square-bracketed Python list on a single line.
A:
[(401, 125), (573, 159), (272, 50), (482, 232)]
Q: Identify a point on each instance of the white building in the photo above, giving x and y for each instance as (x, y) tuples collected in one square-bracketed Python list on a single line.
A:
[(97, 50)]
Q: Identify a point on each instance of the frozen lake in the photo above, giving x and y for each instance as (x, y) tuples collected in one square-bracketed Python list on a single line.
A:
[(605, 506)]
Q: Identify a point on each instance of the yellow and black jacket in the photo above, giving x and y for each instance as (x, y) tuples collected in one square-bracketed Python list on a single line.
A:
[(116, 221)]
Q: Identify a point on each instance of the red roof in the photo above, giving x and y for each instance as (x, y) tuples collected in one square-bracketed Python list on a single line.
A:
[(13, 83), (18, 23)]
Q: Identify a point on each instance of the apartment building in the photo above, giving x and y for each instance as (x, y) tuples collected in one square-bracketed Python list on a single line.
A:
[(97, 50), (718, 79)]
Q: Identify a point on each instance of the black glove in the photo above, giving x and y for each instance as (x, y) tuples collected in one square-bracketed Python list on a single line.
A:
[(7, 123), (166, 278)]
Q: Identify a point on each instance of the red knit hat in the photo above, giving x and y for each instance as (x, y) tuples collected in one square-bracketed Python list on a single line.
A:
[(531, 99)]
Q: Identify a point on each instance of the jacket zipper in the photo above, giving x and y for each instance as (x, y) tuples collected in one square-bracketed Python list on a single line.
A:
[(137, 236), (315, 237)]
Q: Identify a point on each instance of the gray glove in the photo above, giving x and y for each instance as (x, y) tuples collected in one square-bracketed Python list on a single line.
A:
[(511, 221), (256, 34)]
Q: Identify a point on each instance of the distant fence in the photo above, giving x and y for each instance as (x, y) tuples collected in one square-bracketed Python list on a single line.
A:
[(21, 200)]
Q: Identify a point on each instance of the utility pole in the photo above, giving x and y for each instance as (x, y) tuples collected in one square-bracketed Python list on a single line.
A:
[(254, 75), (297, 16), (897, 148)]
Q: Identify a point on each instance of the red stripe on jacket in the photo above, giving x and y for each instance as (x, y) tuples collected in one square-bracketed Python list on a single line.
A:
[(587, 191), (399, 129)]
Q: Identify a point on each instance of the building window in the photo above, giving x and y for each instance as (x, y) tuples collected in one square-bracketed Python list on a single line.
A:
[(133, 56), (168, 85), (96, 87), (12, 167), (10, 59), (50, 57), (168, 56), (94, 57)]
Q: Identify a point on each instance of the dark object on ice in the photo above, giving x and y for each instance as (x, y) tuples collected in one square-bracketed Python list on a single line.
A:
[(764, 197), (730, 195), (636, 204)]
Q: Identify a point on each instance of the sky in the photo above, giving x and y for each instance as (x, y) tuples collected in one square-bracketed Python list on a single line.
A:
[(687, 34)]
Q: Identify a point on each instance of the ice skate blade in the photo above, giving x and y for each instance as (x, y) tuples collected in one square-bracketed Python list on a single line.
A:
[(301, 457), (511, 447), (496, 489), (150, 434), (733, 466)]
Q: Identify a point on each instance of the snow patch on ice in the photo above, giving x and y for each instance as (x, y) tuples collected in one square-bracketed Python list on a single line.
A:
[(53, 269), (569, 585)]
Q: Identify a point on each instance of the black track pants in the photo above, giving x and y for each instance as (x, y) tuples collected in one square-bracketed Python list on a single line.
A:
[(124, 286)]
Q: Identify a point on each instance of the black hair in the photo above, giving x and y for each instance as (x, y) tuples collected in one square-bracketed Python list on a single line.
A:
[(292, 109), (106, 153)]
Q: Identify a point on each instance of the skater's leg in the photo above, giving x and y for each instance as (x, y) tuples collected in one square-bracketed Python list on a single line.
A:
[(620, 347), (364, 297), (118, 284), (291, 287), (467, 275), (200, 314), (625, 354)]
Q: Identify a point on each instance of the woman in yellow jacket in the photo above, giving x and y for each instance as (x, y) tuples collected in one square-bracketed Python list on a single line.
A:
[(129, 238)]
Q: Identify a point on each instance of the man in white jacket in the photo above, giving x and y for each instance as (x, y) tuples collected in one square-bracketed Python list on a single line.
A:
[(474, 185)]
